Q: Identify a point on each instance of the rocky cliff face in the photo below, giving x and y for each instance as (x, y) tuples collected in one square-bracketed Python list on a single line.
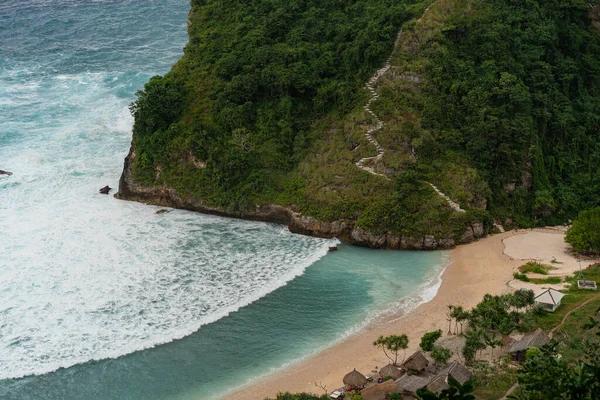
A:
[(346, 231)]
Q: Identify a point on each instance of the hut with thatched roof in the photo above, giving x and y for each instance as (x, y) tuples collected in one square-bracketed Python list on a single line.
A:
[(456, 370), (409, 384), (355, 380), (380, 391), (390, 370), (519, 348), (417, 362)]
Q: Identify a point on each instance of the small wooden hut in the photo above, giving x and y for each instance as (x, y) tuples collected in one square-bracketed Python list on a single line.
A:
[(417, 362), (355, 380), (519, 348), (390, 370), (456, 370), (409, 384), (380, 391)]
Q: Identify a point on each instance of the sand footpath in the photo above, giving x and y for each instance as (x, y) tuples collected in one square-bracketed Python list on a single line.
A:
[(474, 270)]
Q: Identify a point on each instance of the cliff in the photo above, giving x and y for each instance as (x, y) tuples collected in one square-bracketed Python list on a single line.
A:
[(395, 124), (346, 231)]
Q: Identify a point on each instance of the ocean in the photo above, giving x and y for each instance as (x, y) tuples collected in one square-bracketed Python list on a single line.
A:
[(105, 299)]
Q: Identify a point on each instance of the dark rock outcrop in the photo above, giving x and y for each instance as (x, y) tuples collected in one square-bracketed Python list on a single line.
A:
[(2, 172), (105, 190), (344, 230)]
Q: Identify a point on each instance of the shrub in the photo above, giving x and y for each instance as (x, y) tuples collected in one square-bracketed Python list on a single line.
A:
[(521, 277), (536, 268), (428, 340), (584, 235)]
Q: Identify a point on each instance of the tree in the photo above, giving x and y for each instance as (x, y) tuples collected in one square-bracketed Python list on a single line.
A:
[(491, 341), (456, 313), (449, 318), (473, 343), (428, 340), (584, 235), (440, 355), (392, 344), (456, 391), (462, 317)]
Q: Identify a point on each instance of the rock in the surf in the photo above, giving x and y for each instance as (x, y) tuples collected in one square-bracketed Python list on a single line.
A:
[(105, 189), (5, 172)]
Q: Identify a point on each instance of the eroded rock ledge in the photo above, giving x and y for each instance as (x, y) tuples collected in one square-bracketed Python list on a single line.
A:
[(345, 231)]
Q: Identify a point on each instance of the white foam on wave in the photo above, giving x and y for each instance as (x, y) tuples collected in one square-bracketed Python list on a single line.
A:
[(84, 276)]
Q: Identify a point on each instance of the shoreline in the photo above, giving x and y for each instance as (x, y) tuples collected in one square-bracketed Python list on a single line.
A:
[(471, 271)]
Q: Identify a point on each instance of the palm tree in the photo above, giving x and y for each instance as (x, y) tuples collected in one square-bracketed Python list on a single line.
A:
[(456, 313), (449, 318)]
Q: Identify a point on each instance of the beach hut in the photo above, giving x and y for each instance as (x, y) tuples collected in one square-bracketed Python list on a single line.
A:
[(380, 391), (417, 362), (390, 370), (355, 380), (456, 370), (409, 384), (549, 299), (519, 348)]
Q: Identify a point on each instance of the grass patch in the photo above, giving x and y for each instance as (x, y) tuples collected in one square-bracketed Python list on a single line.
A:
[(536, 268), (492, 381), (521, 277), (553, 280)]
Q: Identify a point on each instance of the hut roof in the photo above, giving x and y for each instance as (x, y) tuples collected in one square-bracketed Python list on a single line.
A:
[(379, 392), (411, 383), (438, 383), (416, 362), (549, 296), (355, 379), (535, 338), (456, 370), (390, 370)]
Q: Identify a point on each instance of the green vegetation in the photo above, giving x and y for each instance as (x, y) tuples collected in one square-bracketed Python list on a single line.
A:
[(521, 277), (428, 340), (553, 280), (535, 268), (495, 102), (456, 391), (493, 380), (584, 235), (391, 346)]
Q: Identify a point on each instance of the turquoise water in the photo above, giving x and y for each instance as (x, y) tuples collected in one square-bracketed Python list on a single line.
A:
[(104, 299)]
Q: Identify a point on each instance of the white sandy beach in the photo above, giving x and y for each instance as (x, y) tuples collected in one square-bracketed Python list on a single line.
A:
[(475, 269)]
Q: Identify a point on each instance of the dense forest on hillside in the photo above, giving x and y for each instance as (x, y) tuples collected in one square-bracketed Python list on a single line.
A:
[(516, 88), (254, 77), (497, 103)]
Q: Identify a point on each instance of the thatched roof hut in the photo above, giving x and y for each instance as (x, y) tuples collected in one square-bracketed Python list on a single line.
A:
[(355, 380), (409, 384), (456, 370), (417, 362), (390, 370), (379, 392), (519, 348)]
